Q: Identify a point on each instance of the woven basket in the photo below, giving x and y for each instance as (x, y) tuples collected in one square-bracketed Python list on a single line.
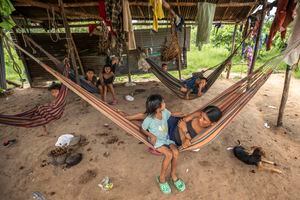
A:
[(170, 49)]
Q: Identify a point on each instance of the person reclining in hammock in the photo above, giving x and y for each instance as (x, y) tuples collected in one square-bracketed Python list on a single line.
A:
[(54, 89), (90, 77), (182, 129), (195, 85)]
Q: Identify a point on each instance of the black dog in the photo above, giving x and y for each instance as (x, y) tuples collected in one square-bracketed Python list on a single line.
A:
[(254, 158)]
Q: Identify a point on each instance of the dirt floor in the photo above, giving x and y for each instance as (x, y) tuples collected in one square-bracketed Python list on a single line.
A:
[(211, 173)]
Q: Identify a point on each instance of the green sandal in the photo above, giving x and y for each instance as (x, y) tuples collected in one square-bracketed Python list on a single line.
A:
[(179, 184), (164, 187)]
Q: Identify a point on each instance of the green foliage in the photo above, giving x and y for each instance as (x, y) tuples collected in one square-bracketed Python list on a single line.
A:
[(10, 72)]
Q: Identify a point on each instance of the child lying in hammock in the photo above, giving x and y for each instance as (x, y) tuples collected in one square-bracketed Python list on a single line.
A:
[(182, 129), (155, 126), (195, 85), (54, 89)]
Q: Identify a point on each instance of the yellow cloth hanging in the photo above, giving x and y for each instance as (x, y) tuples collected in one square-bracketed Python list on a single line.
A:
[(158, 12)]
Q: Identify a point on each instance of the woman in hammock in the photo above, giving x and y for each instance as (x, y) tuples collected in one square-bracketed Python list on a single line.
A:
[(182, 129), (195, 85)]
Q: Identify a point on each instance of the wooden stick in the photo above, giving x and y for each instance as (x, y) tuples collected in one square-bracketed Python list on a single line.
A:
[(13, 83), (77, 55), (232, 49)]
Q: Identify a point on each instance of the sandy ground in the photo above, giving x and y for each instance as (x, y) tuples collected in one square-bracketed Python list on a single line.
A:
[(211, 173)]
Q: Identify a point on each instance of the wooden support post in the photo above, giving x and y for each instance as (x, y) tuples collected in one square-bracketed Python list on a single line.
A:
[(2, 65), (179, 65), (129, 70), (232, 49), (69, 40), (262, 18), (285, 93)]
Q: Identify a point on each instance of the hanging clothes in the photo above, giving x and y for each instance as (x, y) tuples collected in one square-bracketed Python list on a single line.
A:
[(158, 12), (204, 20), (292, 58), (127, 26), (283, 17), (6, 8)]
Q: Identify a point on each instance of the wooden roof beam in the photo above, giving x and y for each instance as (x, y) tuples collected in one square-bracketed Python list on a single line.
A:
[(26, 3), (66, 5), (189, 4), (56, 9)]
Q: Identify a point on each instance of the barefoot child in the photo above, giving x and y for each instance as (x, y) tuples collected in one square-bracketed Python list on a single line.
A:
[(194, 85), (155, 126), (106, 79)]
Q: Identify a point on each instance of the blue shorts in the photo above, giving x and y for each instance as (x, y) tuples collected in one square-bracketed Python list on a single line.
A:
[(173, 130)]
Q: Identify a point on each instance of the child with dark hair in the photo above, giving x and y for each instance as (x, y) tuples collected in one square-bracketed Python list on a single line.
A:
[(155, 126), (164, 67), (106, 79), (54, 89), (90, 77), (195, 85)]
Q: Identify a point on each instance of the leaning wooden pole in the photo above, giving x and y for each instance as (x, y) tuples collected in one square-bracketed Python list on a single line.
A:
[(285, 93), (256, 48), (69, 40), (232, 49), (78, 57)]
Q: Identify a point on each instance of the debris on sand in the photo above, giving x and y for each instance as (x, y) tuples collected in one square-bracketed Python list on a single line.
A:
[(113, 139), (87, 176)]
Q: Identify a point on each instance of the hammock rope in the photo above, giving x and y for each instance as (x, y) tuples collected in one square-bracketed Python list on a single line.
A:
[(231, 101)]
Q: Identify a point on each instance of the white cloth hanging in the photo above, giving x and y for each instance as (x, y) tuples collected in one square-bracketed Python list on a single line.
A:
[(293, 57)]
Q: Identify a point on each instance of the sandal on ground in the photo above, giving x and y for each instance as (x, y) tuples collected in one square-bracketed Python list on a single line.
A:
[(179, 184), (164, 187)]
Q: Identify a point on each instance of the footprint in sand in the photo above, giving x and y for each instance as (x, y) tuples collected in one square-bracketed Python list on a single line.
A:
[(87, 176)]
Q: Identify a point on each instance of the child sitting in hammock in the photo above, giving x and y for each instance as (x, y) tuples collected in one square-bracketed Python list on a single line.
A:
[(106, 79), (90, 77), (182, 129), (155, 126), (195, 85)]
